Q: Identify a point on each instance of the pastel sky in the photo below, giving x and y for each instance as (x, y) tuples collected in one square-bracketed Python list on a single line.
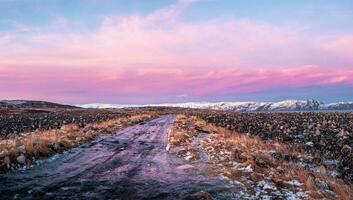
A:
[(153, 51)]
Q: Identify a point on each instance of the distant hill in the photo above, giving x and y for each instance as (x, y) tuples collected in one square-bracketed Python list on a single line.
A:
[(287, 105), (32, 104)]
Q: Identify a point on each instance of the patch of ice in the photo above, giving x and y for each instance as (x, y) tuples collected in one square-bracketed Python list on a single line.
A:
[(167, 147), (291, 196), (238, 166), (266, 197), (332, 162), (222, 177), (185, 167), (294, 196), (188, 156), (310, 144), (334, 174), (301, 194), (294, 183), (266, 185), (235, 182), (332, 193), (248, 169)]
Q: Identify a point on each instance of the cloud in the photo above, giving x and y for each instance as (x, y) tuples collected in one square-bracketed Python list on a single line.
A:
[(137, 86), (161, 39), (160, 55), (181, 95), (342, 46)]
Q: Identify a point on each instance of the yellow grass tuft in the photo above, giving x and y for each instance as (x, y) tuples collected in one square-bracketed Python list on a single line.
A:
[(40, 144)]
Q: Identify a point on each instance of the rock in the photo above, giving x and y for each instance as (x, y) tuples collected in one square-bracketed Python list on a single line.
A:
[(56, 146), (21, 149), (322, 170), (21, 159), (7, 161), (310, 182), (341, 133), (317, 132), (346, 149), (260, 162)]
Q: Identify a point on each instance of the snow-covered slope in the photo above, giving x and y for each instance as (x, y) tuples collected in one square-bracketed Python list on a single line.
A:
[(296, 105), (288, 105), (338, 106)]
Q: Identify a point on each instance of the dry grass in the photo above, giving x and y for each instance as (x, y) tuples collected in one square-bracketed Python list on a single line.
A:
[(226, 148), (252, 151), (180, 134), (41, 144)]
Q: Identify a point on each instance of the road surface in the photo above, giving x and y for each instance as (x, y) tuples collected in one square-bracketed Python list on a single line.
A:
[(130, 164)]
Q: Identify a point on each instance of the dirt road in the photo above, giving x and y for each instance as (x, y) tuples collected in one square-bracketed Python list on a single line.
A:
[(131, 164)]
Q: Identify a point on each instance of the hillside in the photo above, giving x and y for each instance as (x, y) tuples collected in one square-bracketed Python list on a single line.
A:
[(32, 104)]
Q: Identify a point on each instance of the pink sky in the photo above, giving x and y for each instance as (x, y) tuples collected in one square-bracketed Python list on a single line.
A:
[(140, 58)]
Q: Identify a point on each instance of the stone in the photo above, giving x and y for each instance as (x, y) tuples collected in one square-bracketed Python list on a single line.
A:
[(346, 149), (21, 149), (21, 159), (7, 161), (310, 182), (260, 162), (56, 146), (317, 132), (322, 170)]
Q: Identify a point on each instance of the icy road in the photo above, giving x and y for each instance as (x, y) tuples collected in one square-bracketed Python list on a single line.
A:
[(131, 164)]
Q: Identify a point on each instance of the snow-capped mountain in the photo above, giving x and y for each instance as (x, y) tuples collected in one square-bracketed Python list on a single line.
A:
[(296, 105), (288, 105), (338, 106)]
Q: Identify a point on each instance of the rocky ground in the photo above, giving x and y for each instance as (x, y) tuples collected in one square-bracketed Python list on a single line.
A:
[(16, 121), (328, 137), (264, 169), (278, 155)]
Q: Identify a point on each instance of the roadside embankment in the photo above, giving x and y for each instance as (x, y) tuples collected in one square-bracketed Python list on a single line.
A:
[(262, 167)]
